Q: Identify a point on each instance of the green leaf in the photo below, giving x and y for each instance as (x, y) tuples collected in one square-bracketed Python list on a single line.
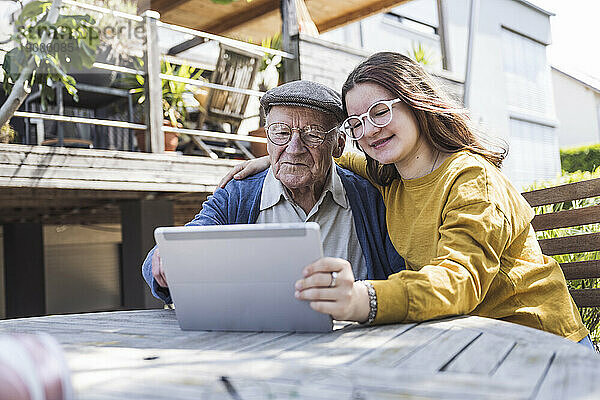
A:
[(140, 79), (32, 10), (14, 62)]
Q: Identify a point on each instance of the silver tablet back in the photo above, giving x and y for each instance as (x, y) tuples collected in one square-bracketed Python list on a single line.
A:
[(241, 277)]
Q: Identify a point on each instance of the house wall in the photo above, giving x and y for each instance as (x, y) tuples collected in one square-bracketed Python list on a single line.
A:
[(82, 266), (501, 113), (383, 32), (578, 111), (326, 62)]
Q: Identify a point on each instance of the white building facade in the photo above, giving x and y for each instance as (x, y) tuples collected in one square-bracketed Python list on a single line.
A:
[(577, 100)]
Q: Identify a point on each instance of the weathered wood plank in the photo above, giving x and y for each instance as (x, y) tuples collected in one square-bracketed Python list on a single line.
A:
[(332, 349), (86, 174), (106, 185), (525, 365), (483, 356), (394, 351), (43, 167), (581, 269), (567, 218), (519, 333), (437, 353), (570, 378), (26, 150), (568, 192), (120, 161), (586, 297), (570, 244)]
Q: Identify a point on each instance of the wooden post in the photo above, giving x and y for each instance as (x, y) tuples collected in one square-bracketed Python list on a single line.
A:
[(139, 218), (155, 139), (24, 276), (290, 40), (60, 105)]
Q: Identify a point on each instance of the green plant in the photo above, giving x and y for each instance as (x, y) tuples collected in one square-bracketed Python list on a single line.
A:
[(420, 54), (7, 133), (119, 39), (53, 46), (590, 316), (173, 92), (270, 65), (585, 158)]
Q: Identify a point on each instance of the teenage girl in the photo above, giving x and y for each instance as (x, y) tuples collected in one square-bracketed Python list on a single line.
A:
[(463, 229)]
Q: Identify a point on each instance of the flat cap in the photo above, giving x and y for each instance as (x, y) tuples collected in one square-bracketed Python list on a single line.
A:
[(304, 94)]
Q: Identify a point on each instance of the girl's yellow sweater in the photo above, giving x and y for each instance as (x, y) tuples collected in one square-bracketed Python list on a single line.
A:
[(466, 235)]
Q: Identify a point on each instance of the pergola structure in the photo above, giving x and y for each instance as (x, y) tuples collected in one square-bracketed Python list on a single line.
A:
[(256, 20), (259, 19)]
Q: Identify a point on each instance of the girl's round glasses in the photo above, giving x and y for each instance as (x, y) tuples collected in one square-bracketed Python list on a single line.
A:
[(379, 115)]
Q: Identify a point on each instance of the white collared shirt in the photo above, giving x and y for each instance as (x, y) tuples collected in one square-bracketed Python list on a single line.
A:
[(331, 211)]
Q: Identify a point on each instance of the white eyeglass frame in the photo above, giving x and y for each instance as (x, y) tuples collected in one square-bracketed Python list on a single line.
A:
[(361, 117)]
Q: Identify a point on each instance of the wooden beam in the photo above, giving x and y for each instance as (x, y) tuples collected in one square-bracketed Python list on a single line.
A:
[(257, 10), (290, 40), (153, 86), (375, 7), (566, 192)]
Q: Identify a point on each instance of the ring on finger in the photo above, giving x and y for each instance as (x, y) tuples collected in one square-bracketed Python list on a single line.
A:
[(333, 278)]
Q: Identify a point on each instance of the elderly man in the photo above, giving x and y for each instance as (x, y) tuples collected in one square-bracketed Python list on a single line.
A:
[(302, 185)]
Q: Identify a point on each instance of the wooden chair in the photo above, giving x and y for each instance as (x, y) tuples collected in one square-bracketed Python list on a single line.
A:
[(578, 243), (235, 68)]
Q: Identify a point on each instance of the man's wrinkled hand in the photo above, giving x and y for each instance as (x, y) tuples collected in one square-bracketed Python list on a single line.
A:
[(157, 270)]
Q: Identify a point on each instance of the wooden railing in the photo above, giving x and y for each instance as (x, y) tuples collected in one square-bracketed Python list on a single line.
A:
[(153, 80)]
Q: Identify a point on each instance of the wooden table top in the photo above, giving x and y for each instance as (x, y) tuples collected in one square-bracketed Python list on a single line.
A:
[(144, 354)]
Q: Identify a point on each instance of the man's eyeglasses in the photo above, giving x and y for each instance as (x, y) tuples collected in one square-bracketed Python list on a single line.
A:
[(379, 115), (280, 133)]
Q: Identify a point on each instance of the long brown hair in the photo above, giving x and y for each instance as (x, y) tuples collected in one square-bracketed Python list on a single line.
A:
[(446, 125)]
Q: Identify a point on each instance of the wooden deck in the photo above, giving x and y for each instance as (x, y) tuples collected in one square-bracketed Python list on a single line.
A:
[(65, 185), (67, 168), (144, 354)]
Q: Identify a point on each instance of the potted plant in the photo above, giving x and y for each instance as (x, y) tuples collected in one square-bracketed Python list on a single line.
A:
[(173, 99)]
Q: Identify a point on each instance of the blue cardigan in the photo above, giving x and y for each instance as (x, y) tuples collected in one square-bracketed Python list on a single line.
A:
[(239, 203)]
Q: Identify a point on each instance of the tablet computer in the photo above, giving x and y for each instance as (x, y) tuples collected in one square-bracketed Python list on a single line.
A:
[(241, 277)]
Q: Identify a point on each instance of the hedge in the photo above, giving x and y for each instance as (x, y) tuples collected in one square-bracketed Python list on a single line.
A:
[(590, 316), (585, 158)]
